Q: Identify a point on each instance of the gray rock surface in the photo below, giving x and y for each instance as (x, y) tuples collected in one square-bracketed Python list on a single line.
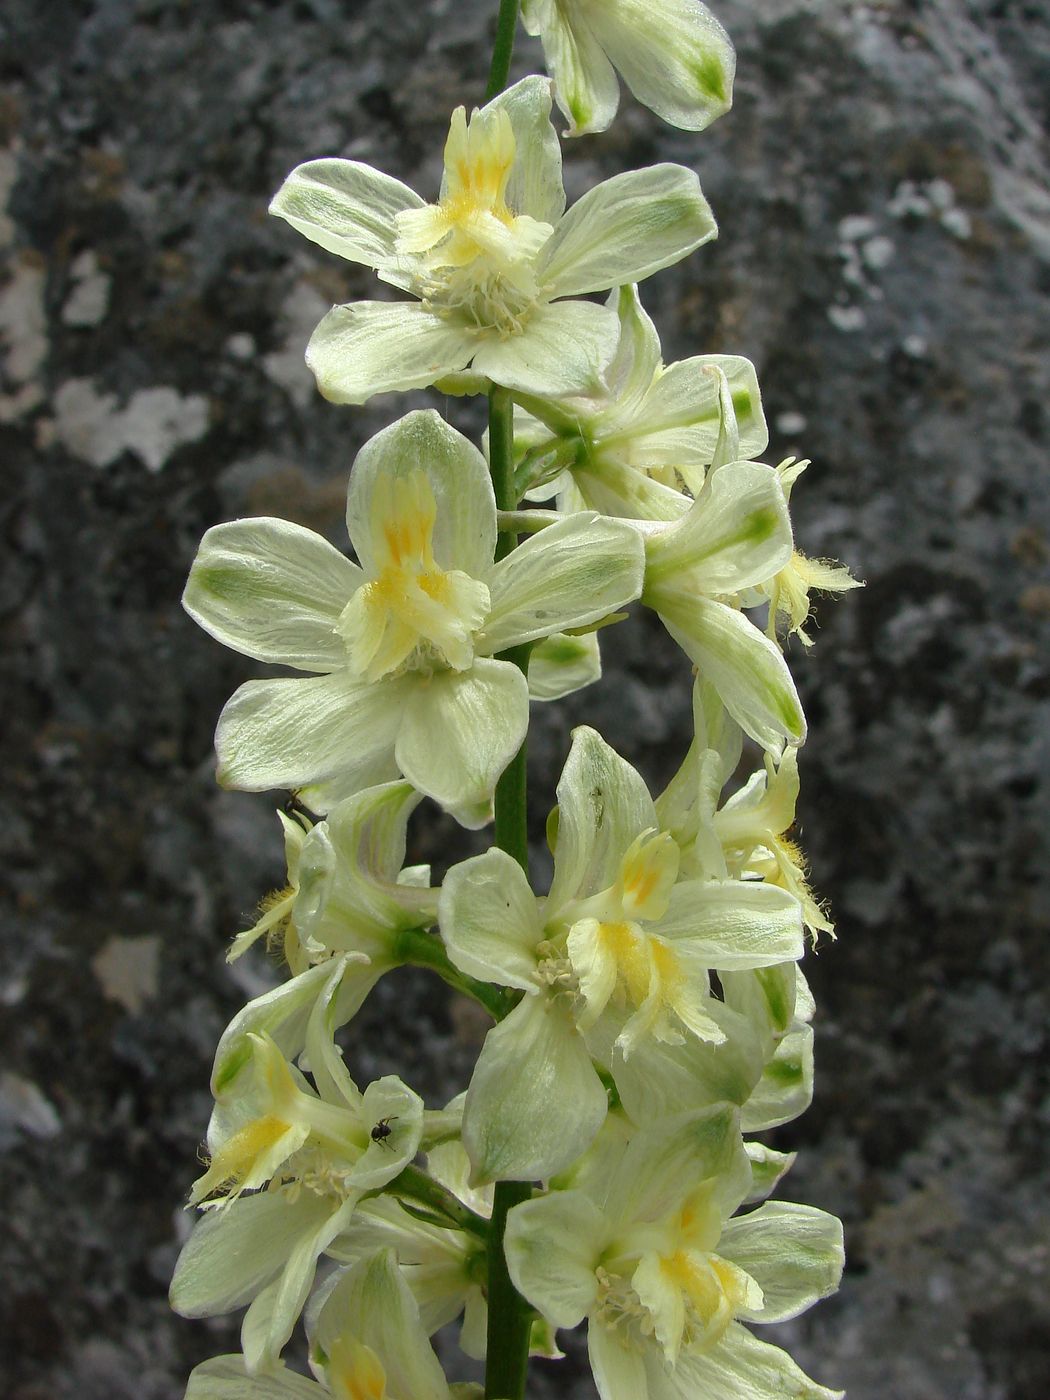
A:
[(881, 188)]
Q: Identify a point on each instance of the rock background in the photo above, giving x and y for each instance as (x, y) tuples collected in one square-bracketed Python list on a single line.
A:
[(883, 258)]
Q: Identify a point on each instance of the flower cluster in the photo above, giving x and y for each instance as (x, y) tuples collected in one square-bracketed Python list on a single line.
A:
[(649, 1012)]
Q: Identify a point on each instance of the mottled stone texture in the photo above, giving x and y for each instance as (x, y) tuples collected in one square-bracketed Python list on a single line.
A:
[(880, 187)]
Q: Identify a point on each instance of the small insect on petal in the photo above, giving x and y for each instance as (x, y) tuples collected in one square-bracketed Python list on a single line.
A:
[(382, 1130)]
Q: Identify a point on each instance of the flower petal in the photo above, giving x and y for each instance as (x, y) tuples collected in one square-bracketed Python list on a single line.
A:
[(272, 590), (535, 1101), (554, 1244), (613, 488), (460, 731), (346, 207), (678, 421), (626, 228), (737, 533), (375, 347), (603, 804), (464, 535), (765, 996), (673, 54), (534, 186), (234, 1252), (733, 924), (562, 664), (786, 1087), (744, 666), (740, 1367), (281, 1014), (324, 734), (328, 1070), (637, 358), (574, 572), (562, 349), (271, 1318), (388, 1100), (224, 1378), (794, 1254), (618, 1368), (585, 85), (657, 1080), (489, 922), (660, 1168), (373, 1304)]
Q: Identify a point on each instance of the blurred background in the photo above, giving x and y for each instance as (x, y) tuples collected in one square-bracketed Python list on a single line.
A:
[(883, 258)]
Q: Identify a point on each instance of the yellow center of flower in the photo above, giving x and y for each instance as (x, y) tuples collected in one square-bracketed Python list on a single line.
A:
[(713, 1291), (630, 950), (355, 1372), (411, 614), (235, 1161), (611, 949), (647, 875), (472, 255)]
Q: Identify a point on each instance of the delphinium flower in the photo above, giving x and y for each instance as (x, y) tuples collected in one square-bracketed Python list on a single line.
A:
[(312, 1147), (735, 534), (639, 446), (618, 935), (404, 641), (350, 903), (497, 264), (648, 1254), (368, 1344), (348, 888), (748, 834)]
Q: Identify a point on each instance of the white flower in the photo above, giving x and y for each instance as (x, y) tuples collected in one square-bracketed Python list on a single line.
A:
[(368, 1343), (747, 837), (648, 1254), (630, 448), (314, 1150), (619, 942), (736, 534), (673, 54), (404, 641), (346, 889), (753, 828), (491, 261)]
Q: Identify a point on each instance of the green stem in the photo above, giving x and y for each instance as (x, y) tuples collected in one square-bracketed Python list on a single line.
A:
[(501, 459), (510, 1317), (421, 949), (506, 26), (414, 1185)]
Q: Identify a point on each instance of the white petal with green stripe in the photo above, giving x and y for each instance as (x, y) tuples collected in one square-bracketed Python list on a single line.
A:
[(627, 228), (272, 590), (346, 207)]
